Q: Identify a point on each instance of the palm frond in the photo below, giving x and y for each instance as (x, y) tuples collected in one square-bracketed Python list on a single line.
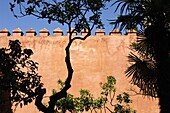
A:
[(145, 47), (131, 13), (119, 3), (143, 74)]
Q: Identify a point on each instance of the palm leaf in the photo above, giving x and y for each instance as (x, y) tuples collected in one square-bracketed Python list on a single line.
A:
[(143, 74), (145, 47)]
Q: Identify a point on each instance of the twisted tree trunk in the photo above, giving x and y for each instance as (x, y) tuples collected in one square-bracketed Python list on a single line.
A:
[(63, 93)]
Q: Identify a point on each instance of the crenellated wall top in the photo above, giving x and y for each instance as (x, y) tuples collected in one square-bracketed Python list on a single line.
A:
[(59, 32)]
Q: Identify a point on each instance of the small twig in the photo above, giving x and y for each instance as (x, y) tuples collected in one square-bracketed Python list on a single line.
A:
[(111, 99), (108, 109), (133, 90)]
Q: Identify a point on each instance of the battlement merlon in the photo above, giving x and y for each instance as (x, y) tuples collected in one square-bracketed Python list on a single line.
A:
[(58, 32)]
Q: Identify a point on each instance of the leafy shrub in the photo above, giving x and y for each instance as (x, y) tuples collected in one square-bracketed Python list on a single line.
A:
[(86, 101)]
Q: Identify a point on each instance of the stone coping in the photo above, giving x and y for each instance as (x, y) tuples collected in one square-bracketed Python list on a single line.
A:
[(59, 32)]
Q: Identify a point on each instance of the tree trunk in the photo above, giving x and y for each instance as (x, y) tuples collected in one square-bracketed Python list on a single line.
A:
[(164, 85), (163, 71), (5, 103)]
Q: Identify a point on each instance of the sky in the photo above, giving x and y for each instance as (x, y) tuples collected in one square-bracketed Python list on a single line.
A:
[(7, 20)]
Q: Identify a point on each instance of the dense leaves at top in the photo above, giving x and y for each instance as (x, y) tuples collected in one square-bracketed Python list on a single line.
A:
[(79, 13), (18, 74)]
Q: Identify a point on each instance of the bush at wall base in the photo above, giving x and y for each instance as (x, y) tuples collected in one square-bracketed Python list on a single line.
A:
[(87, 103)]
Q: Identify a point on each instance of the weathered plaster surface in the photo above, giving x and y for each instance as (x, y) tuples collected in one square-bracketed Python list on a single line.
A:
[(92, 60)]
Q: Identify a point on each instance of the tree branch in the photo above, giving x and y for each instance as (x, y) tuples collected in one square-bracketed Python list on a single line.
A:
[(38, 100), (63, 93)]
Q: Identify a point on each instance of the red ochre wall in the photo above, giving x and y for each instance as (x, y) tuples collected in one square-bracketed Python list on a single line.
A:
[(93, 59)]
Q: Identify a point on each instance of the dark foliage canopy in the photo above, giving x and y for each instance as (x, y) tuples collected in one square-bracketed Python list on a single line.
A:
[(150, 67), (152, 20), (79, 13), (19, 74)]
